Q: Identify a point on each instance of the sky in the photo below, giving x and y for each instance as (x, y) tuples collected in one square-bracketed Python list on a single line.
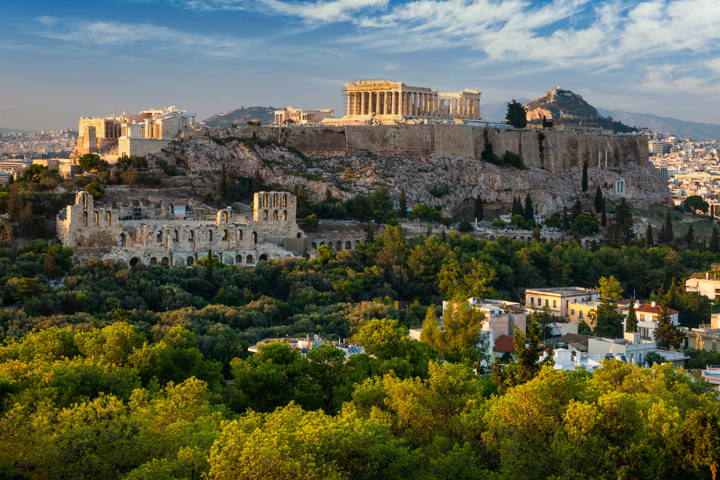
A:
[(60, 60)]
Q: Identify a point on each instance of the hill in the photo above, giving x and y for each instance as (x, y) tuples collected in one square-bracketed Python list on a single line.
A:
[(564, 107), (240, 116), (682, 128)]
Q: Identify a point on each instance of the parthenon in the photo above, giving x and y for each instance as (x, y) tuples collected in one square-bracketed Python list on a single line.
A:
[(387, 100)]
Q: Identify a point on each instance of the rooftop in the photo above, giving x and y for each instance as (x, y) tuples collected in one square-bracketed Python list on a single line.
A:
[(570, 291)]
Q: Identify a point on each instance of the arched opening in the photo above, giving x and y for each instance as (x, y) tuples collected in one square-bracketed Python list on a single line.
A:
[(225, 235), (225, 217), (338, 246), (177, 236), (263, 257), (275, 215), (159, 237), (153, 261), (123, 240), (299, 235), (348, 245), (85, 219), (134, 261), (285, 215), (254, 237), (192, 235), (265, 200), (84, 199), (96, 218), (108, 219), (190, 261), (284, 199), (275, 200), (238, 259), (249, 260), (322, 243), (240, 234), (165, 261), (265, 214)]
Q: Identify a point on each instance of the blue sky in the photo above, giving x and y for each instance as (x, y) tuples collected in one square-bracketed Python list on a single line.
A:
[(63, 59)]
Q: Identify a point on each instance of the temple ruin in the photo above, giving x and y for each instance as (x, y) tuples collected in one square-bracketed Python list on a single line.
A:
[(386, 100), (180, 233), (302, 117)]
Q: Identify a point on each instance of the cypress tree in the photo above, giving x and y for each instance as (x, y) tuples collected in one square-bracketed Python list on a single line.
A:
[(649, 241), (529, 212), (714, 246), (661, 237), (690, 237), (576, 208), (402, 203), (565, 220), (584, 177), (479, 212), (599, 201), (517, 207), (631, 321), (603, 215), (669, 234)]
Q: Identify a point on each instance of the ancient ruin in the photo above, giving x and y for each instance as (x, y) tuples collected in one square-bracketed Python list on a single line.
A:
[(302, 117), (179, 233), (133, 133), (386, 100)]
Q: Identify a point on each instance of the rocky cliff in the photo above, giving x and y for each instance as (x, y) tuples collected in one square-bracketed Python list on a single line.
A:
[(359, 171)]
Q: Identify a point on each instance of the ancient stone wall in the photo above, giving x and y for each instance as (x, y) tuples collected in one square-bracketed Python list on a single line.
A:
[(140, 146), (552, 150)]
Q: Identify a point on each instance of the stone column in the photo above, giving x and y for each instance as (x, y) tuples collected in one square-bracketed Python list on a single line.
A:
[(362, 103), (349, 105)]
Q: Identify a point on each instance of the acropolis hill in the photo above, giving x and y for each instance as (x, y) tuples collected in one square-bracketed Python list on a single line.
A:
[(352, 159)]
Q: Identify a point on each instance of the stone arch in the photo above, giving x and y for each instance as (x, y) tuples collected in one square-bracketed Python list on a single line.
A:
[(284, 215), (190, 261), (108, 219), (275, 200), (134, 261), (225, 235), (338, 245), (263, 257), (123, 240), (225, 217), (165, 261), (177, 235), (284, 200), (153, 261), (254, 236), (348, 245), (96, 218), (84, 199), (275, 215), (249, 260), (265, 200), (192, 235), (265, 214), (238, 259), (85, 219), (322, 243)]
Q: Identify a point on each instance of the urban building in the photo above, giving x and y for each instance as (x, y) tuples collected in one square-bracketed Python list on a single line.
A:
[(647, 319), (704, 284), (558, 299)]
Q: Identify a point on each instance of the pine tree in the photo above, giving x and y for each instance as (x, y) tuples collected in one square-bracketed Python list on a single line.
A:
[(649, 241), (576, 208), (631, 321), (714, 246), (599, 201), (402, 203), (529, 213), (669, 234), (667, 334), (516, 115), (479, 211), (585, 177)]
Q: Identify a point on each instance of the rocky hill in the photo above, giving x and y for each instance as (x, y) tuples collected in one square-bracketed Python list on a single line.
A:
[(240, 116), (438, 179), (564, 107)]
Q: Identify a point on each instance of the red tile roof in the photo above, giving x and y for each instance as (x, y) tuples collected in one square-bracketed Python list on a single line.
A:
[(648, 308), (504, 344)]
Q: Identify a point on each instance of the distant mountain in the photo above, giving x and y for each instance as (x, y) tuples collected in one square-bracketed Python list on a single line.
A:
[(564, 107), (681, 128), (8, 130), (239, 117)]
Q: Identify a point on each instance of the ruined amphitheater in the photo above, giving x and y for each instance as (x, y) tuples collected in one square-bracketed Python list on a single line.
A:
[(181, 233)]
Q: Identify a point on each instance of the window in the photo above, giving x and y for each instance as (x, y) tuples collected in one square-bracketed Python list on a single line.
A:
[(554, 303), (547, 303), (580, 315), (532, 301), (572, 312), (275, 215)]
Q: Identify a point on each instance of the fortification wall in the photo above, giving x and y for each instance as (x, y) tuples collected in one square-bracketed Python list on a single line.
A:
[(140, 146), (553, 150)]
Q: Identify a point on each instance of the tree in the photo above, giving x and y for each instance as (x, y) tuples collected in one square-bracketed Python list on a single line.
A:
[(584, 182), (529, 213), (667, 334), (517, 208), (695, 202), (527, 350), (669, 236), (577, 208), (516, 115), (714, 245), (95, 189), (608, 322), (91, 162), (402, 204), (631, 322), (479, 213), (603, 215), (459, 335), (599, 200), (623, 222), (609, 287), (649, 241), (690, 238)]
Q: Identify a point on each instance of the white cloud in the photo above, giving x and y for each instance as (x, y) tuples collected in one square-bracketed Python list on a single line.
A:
[(317, 11)]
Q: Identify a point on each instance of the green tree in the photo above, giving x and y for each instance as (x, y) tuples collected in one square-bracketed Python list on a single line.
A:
[(402, 204), (690, 238), (608, 322), (669, 236), (95, 189), (460, 332), (479, 213), (599, 201), (584, 182), (529, 212), (631, 322), (516, 115), (527, 350), (609, 287), (714, 245), (91, 162), (695, 202), (649, 241), (667, 334)]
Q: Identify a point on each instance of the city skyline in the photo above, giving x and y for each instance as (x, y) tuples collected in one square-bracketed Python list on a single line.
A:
[(63, 61)]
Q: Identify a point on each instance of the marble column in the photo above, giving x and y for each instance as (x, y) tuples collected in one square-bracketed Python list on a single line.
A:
[(349, 104), (362, 103)]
